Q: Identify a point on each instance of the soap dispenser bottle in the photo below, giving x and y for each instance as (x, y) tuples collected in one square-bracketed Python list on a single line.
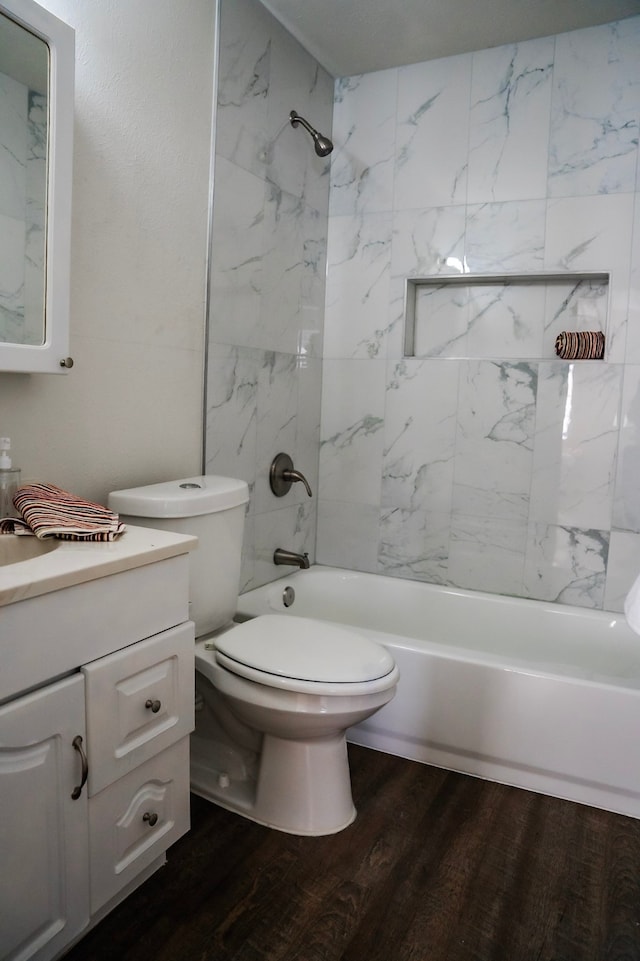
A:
[(9, 480)]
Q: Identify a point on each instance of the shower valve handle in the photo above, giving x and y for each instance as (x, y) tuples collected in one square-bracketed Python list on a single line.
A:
[(295, 475), (282, 475)]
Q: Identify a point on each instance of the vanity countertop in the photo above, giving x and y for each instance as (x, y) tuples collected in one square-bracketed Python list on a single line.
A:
[(76, 562)]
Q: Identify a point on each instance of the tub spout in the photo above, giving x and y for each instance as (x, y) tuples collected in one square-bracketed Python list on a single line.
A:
[(281, 556)]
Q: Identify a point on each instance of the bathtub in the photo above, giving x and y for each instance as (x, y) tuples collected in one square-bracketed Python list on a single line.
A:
[(539, 696)]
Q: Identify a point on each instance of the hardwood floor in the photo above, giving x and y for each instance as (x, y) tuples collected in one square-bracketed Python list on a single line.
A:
[(436, 867)]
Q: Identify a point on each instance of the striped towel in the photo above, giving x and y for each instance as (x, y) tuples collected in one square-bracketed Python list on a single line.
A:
[(52, 512), (14, 525), (580, 345)]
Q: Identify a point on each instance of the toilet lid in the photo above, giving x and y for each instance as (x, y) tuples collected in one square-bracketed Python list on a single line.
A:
[(305, 649)]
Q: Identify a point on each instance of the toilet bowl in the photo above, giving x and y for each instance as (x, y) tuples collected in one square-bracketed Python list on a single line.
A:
[(274, 695), (299, 684)]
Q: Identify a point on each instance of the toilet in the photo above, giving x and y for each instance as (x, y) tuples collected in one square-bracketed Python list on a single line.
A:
[(275, 694)]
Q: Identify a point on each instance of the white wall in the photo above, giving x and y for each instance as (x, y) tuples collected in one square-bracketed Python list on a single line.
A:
[(130, 411)]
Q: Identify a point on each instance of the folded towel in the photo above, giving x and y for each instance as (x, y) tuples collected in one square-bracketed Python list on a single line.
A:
[(52, 512), (14, 525), (580, 345)]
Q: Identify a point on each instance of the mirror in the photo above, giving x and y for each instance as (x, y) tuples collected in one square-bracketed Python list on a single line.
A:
[(36, 130)]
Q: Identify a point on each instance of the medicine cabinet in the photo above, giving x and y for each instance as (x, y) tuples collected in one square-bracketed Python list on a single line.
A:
[(36, 140)]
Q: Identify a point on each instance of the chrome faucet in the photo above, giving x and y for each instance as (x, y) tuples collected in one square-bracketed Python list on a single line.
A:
[(280, 556)]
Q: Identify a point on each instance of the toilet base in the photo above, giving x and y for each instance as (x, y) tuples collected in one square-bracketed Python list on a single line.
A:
[(299, 787)]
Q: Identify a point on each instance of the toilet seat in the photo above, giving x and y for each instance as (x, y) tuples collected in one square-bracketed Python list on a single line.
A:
[(304, 655)]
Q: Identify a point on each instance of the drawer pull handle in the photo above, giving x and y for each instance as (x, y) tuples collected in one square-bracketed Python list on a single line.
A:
[(151, 818), (153, 705), (77, 744)]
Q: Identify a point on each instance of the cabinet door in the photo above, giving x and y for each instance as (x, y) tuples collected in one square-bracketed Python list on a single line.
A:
[(44, 901), (139, 702), (135, 820)]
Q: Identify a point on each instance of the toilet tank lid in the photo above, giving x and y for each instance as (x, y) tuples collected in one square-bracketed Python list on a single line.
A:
[(186, 497)]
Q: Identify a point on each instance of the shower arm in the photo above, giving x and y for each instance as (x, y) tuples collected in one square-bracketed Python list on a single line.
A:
[(295, 119)]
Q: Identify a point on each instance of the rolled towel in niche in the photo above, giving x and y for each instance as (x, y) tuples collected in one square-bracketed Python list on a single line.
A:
[(580, 345)]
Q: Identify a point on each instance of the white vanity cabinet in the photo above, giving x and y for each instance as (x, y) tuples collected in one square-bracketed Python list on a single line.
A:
[(94, 761)]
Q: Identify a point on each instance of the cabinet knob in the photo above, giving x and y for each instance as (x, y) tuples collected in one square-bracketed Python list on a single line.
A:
[(154, 705), (151, 818)]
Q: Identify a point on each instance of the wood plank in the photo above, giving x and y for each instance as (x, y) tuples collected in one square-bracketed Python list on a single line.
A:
[(437, 867)]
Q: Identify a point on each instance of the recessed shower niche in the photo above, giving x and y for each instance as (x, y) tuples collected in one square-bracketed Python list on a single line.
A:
[(501, 316)]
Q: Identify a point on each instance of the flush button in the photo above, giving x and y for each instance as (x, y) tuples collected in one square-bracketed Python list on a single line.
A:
[(188, 487)]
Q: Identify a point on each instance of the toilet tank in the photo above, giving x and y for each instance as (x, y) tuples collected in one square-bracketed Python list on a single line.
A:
[(211, 508)]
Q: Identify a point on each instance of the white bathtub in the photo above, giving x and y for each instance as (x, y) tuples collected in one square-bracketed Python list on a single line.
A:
[(541, 696)]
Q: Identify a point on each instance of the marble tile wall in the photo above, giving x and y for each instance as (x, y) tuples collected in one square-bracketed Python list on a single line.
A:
[(269, 241), (22, 178), (498, 467)]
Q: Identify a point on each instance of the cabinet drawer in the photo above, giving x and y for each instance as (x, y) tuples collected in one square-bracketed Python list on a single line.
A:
[(139, 702), (135, 820)]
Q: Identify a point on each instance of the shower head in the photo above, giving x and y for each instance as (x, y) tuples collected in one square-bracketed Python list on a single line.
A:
[(323, 145)]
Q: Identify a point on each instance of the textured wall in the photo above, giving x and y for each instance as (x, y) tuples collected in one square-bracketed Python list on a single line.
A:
[(130, 411), (496, 468)]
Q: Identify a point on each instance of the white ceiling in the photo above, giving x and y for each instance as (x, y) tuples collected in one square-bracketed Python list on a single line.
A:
[(349, 37)]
